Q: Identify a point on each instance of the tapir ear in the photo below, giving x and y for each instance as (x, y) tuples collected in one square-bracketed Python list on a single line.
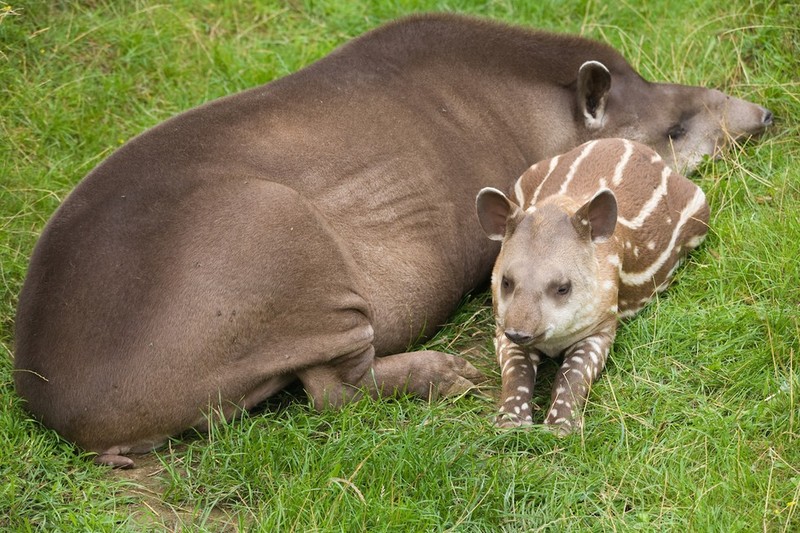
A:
[(594, 82), (597, 218), (496, 213)]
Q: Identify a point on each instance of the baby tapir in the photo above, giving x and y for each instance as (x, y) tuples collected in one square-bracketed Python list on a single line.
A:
[(313, 228), (590, 237)]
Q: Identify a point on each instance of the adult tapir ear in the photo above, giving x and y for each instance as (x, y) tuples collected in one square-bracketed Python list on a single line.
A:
[(597, 218), (496, 213), (594, 82)]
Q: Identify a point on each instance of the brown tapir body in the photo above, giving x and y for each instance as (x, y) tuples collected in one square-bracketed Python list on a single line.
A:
[(300, 229), (592, 235)]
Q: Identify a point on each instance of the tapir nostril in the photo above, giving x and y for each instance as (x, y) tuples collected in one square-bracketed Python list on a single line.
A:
[(767, 120), (519, 338)]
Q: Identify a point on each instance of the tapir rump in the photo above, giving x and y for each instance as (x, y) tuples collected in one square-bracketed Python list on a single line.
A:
[(312, 228), (591, 236)]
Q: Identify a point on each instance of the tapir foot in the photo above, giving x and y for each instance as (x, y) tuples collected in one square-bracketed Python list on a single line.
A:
[(511, 420), (561, 427), (427, 374), (114, 460), (117, 456)]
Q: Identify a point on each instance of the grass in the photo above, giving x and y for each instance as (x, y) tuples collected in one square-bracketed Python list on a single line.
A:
[(693, 427)]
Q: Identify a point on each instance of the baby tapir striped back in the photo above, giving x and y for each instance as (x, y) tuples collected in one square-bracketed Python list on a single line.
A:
[(592, 235)]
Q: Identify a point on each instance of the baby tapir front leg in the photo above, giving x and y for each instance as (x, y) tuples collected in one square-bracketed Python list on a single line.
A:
[(518, 370), (583, 362)]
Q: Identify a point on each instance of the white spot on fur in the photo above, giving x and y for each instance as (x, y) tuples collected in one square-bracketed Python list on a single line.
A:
[(695, 241), (509, 369), (608, 285), (523, 389), (651, 245)]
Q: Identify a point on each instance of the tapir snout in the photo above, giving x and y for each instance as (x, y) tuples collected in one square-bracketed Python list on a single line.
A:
[(697, 122)]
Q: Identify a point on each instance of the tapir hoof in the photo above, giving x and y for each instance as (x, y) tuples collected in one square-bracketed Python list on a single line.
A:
[(511, 420), (459, 378), (114, 461), (561, 427)]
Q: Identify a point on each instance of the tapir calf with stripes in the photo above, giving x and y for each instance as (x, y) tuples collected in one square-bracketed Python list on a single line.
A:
[(589, 238)]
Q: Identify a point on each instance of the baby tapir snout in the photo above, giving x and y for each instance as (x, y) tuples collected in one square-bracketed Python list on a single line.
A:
[(589, 238), (520, 337)]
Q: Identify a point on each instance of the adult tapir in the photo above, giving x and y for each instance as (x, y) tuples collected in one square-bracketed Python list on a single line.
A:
[(313, 227)]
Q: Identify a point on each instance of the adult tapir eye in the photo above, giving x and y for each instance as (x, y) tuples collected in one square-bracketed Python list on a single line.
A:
[(506, 284), (676, 132), (564, 289)]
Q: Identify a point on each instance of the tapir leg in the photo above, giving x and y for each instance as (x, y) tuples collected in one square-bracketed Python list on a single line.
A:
[(583, 362), (518, 373), (427, 374)]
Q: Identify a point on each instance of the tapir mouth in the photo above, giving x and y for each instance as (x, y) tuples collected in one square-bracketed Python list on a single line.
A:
[(767, 119), (524, 338)]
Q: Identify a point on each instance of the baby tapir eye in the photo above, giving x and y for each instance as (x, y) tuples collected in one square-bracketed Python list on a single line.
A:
[(676, 132), (506, 284)]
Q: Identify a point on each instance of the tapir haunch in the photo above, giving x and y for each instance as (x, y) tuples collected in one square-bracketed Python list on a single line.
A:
[(591, 237), (300, 229)]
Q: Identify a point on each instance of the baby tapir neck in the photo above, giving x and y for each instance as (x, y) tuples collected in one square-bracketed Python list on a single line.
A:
[(590, 237)]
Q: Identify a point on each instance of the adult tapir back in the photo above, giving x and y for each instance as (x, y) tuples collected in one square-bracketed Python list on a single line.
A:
[(299, 229)]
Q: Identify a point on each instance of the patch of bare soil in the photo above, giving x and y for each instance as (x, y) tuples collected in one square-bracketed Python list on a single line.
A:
[(148, 484)]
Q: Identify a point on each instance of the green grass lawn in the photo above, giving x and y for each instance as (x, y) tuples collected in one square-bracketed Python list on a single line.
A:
[(694, 426)]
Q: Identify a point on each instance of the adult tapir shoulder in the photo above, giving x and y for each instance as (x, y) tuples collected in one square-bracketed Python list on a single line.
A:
[(299, 229)]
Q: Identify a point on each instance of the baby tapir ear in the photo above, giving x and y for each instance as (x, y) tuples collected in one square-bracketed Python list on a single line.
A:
[(496, 212), (597, 218), (594, 82)]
